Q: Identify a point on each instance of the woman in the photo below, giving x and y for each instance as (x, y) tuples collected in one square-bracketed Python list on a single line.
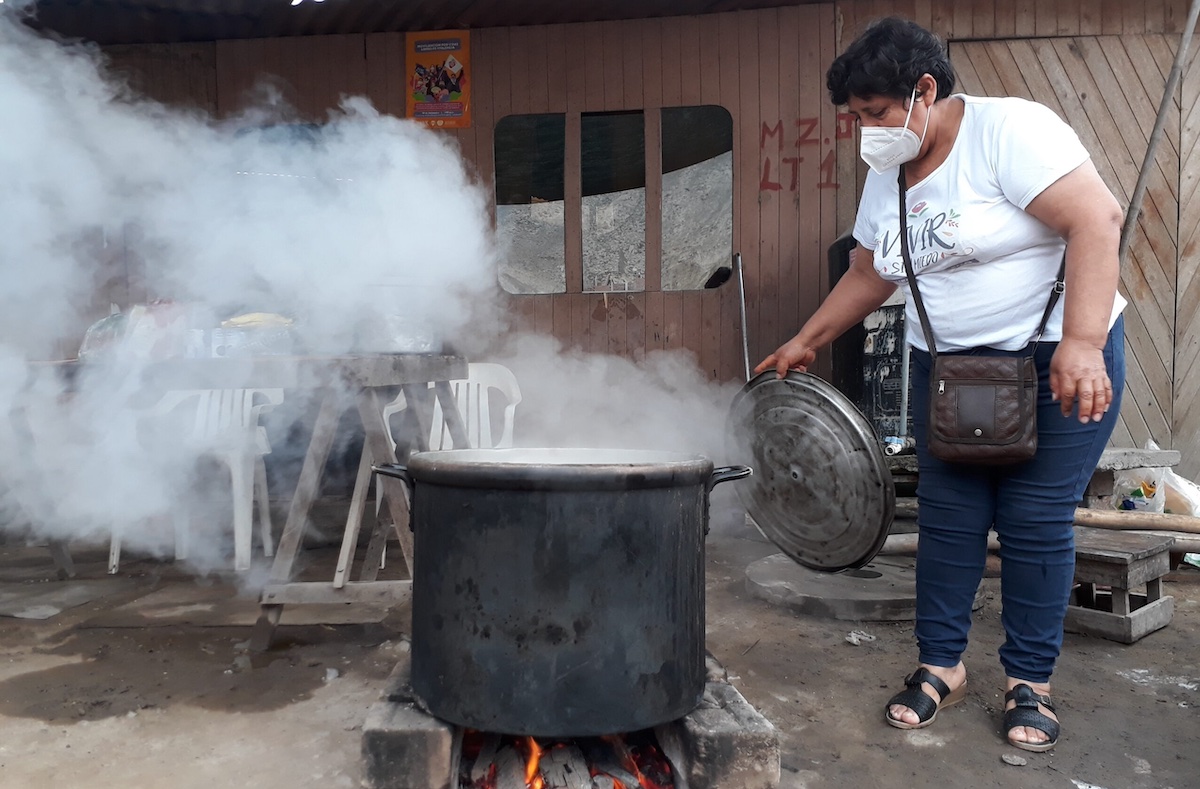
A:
[(996, 189)]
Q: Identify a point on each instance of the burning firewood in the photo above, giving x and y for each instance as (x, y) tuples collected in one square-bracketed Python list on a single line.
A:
[(605, 758), (510, 769), (603, 782), (565, 768), (482, 768)]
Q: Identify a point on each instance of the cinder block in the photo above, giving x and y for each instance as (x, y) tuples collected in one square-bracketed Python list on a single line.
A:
[(405, 748), (722, 744)]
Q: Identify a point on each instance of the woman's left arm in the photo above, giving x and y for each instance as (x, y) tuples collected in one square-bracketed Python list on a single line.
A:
[(1083, 211)]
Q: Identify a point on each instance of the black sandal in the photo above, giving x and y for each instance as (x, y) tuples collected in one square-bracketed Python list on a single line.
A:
[(921, 702), (1026, 713)]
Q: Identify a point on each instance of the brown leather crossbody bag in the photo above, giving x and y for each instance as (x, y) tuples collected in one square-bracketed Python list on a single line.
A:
[(982, 409)]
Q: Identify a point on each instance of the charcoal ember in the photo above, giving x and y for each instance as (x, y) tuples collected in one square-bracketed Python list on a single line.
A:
[(510, 769), (603, 782), (481, 768), (605, 760), (564, 767)]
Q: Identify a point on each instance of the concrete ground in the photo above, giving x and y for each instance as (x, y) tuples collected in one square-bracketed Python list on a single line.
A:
[(149, 685)]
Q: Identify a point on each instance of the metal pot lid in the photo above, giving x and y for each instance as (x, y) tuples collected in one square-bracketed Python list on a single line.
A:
[(821, 489)]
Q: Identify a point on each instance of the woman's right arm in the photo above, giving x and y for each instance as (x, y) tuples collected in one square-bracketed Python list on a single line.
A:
[(857, 294)]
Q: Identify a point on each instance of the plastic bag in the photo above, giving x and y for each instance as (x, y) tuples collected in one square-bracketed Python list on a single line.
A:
[(1181, 496), (1139, 489)]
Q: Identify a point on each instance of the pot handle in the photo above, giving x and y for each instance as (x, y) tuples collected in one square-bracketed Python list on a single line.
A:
[(397, 470), (726, 473), (400, 472)]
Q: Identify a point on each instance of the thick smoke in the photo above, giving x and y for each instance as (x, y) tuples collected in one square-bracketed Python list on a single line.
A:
[(358, 228), (341, 226)]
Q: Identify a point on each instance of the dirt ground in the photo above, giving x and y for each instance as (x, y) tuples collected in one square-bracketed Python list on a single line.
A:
[(165, 696)]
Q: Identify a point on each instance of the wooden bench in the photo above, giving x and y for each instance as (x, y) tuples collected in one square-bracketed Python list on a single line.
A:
[(1131, 566)]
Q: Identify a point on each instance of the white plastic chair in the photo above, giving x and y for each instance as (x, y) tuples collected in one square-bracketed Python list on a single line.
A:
[(473, 395), (224, 425)]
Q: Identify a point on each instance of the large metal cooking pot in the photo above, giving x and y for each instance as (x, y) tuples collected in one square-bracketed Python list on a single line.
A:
[(559, 593)]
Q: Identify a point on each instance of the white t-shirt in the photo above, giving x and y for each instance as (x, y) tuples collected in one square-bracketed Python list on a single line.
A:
[(984, 266)]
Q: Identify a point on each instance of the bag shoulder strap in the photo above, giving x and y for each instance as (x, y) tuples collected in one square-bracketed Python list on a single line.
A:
[(1055, 292)]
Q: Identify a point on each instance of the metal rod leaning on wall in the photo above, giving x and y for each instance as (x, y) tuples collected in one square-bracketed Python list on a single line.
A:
[(1160, 122), (741, 280)]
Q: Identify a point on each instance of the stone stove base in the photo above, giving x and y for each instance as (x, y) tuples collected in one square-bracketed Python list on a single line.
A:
[(722, 744)]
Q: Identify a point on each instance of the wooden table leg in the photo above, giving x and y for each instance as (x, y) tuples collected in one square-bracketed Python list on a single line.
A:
[(453, 417), (371, 412), (307, 488), (358, 502), (264, 627)]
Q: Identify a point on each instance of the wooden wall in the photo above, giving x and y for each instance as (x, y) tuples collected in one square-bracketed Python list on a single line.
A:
[(767, 68), (1186, 344)]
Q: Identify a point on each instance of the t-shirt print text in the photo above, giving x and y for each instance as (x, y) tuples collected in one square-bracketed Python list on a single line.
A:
[(931, 238)]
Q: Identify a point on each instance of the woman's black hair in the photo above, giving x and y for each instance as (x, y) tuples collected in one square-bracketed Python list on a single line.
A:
[(887, 60)]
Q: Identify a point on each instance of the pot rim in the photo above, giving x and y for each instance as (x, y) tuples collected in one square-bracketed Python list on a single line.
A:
[(545, 468)]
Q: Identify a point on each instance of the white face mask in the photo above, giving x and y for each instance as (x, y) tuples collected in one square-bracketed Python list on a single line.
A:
[(885, 147)]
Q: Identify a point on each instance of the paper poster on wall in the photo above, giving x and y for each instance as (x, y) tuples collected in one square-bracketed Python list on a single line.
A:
[(439, 78)]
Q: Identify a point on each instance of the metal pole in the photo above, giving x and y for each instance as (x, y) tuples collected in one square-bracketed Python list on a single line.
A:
[(741, 278), (1139, 191)]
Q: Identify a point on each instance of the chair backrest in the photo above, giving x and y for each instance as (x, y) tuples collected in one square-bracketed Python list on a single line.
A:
[(222, 415), (473, 395)]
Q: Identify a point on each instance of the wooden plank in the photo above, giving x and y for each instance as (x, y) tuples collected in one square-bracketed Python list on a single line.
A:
[(525, 76), (1140, 60), (812, 288), (561, 327), (1155, 15), (983, 18), (1045, 19), (1089, 18), (768, 331), (634, 98), (1112, 17), (1134, 18), (968, 80), (576, 102), (320, 592), (1117, 547), (1024, 16), (962, 21), (635, 325), (595, 99), (800, 33), (739, 46), (673, 320), (690, 58), (942, 18), (1005, 20), (1007, 70), (1068, 17), (611, 34), (1126, 629), (691, 325), (985, 71), (1175, 15), (649, 40)]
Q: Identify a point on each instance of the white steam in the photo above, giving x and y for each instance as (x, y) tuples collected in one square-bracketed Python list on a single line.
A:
[(110, 198)]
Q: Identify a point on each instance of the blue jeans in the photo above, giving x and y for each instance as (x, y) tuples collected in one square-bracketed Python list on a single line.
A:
[(1031, 505)]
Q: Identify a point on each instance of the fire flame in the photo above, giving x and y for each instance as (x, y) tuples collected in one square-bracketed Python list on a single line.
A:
[(533, 776), (641, 761)]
